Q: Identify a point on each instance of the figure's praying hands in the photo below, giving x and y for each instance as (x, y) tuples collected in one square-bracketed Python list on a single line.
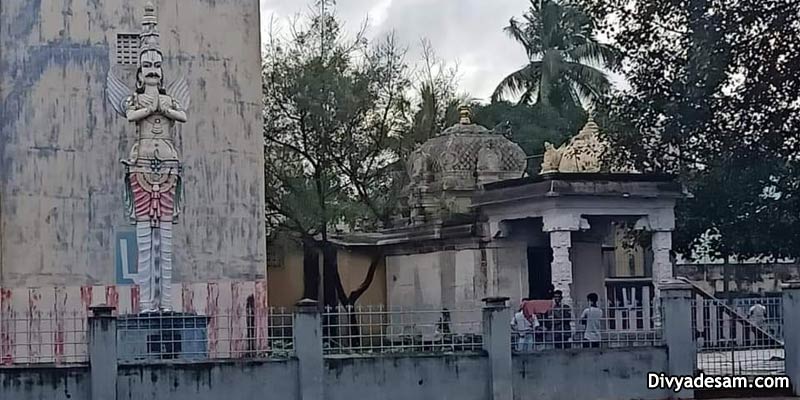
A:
[(149, 102)]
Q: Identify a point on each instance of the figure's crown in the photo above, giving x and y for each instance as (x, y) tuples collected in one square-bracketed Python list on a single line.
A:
[(149, 38)]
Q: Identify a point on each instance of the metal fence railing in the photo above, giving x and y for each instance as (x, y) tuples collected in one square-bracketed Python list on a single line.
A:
[(773, 308), (585, 326), (179, 336), (370, 330), (744, 338), (43, 338)]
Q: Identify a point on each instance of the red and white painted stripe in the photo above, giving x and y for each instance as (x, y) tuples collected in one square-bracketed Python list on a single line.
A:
[(47, 325)]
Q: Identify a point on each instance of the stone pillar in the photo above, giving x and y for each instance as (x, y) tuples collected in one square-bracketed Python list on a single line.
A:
[(308, 349), (561, 267), (497, 343), (103, 352), (791, 333), (560, 225), (676, 300), (661, 244)]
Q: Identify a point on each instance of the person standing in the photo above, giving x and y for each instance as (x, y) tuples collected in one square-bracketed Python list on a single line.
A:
[(523, 326), (559, 321), (591, 319), (758, 316)]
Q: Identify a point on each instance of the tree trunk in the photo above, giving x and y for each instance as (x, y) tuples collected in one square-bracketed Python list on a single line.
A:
[(330, 275), (311, 276), (349, 301), (330, 289)]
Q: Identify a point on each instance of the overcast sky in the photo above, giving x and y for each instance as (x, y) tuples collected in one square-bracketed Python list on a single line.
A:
[(467, 31)]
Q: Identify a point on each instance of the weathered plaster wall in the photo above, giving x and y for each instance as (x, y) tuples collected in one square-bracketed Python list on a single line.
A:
[(595, 374), (551, 375), (745, 278), (44, 383), (402, 378), (447, 278), (415, 280), (60, 142), (511, 260), (457, 278), (207, 381), (587, 271), (286, 280)]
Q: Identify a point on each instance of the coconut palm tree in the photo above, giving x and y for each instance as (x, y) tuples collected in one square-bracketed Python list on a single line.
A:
[(565, 60)]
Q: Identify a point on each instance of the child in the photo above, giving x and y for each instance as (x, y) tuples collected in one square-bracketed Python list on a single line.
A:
[(523, 326), (591, 319)]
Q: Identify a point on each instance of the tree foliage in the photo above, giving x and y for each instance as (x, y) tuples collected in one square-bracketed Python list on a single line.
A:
[(564, 57), (532, 125), (715, 99), (332, 108)]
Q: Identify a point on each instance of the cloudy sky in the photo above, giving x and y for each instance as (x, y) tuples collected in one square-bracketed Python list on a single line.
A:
[(467, 31)]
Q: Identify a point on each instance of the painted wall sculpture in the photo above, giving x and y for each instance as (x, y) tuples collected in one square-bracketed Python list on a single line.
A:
[(153, 167)]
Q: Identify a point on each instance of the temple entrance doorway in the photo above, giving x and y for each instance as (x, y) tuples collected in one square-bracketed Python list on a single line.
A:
[(539, 272)]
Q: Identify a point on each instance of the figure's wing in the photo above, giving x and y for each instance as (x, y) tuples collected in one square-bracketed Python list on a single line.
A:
[(179, 90), (117, 92)]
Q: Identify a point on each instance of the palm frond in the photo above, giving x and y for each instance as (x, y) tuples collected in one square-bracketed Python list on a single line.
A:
[(596, 53), (515, 31), (519, 81), (587, 80)]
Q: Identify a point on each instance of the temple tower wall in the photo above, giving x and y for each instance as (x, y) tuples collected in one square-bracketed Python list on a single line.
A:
[(62, 219)]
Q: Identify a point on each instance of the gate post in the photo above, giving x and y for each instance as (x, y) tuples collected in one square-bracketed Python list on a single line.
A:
[(791, 333), (497, 343), (103, 353), (676, 299), (308, 348)]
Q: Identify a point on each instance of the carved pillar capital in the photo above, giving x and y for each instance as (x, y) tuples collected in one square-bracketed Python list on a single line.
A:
[(555, 220), (661, 220)]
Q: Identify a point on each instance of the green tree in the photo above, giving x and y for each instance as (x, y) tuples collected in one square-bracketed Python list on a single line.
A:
[(714, 99), (564, 57), (532, 124), (332, 108)]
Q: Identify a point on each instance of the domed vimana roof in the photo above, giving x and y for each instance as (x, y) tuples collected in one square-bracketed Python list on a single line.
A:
[(465, 156)]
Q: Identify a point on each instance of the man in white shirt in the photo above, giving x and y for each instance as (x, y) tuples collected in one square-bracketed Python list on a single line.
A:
[(591, 319), (523, 327), (758, 316)]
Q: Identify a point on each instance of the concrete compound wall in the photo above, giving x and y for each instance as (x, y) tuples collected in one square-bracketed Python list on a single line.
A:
[(596, 374), (207, 381), (491, 374), (553, 375), (44, 384), (402, 378)]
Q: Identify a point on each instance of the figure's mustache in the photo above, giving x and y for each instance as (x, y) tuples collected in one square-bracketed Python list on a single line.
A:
[(152, 75)]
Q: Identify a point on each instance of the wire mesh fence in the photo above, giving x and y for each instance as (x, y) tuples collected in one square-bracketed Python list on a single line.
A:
[(376, 329), (585, 326), (178, 336), (744, 338), (43, 338)]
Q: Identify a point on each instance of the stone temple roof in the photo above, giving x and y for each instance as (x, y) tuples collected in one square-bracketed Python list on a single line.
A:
[(464, 157), (581, 154)]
